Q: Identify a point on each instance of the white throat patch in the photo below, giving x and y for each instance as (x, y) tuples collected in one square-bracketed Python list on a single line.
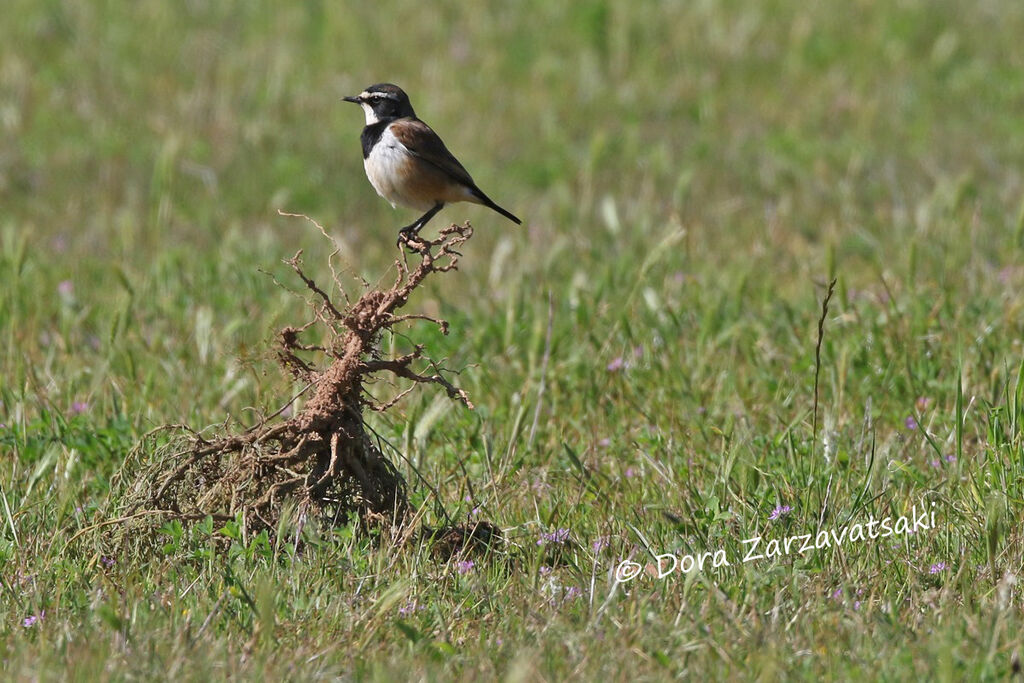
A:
[(371, 117)]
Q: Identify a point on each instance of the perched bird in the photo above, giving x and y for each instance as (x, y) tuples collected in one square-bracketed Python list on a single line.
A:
[(406, 161)]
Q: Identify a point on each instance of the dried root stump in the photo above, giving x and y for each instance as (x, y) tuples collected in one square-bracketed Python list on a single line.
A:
[(321, 461)]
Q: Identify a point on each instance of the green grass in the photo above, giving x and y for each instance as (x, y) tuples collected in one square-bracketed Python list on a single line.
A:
[(691, 176)]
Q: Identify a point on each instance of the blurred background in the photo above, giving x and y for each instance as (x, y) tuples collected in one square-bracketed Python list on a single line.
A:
[(717, 160), (640, 352)]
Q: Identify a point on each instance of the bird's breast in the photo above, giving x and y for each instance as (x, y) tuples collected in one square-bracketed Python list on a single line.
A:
[(395, 174)]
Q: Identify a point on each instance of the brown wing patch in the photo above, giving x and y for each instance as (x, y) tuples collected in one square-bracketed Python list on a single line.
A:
[(424, 143), (424, 181)]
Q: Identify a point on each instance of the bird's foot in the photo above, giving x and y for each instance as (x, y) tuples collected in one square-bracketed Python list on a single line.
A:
[(409, 237)]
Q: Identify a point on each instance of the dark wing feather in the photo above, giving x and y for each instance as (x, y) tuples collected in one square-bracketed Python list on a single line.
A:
[(423, 142)]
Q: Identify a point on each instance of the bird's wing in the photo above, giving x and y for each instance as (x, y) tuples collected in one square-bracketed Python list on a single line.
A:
[(423, 142)]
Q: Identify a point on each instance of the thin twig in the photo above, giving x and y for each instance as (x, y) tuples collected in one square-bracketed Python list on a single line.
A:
[(817, 359), (296, 263)]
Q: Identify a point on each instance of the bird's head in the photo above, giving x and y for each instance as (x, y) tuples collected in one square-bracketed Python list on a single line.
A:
[(383, 101)]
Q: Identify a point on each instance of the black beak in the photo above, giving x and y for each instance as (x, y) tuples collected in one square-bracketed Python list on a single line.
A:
[(354, 98)]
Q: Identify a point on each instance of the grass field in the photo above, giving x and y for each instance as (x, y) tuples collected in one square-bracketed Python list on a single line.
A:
[(641, 353)]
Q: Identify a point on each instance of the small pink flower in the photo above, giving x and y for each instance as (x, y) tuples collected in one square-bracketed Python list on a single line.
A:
[(540, 486), (465, 566), (32, 620), (66, 288), (79, 407), (410, 607), (616, 364), (910, 423), (937, 568), (558, 536)]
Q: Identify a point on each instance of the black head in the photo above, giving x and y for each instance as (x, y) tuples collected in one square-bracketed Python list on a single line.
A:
[(383, 101)]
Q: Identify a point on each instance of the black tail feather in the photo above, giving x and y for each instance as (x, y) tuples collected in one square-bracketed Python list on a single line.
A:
[(489, 203)]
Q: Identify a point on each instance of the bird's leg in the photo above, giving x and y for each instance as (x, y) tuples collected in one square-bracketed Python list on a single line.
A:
[(412, 230)]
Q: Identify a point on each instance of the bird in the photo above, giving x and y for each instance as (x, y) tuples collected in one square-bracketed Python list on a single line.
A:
[(407, 162)]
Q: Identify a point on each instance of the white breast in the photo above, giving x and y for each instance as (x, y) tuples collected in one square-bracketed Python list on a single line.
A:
[(387, 169)]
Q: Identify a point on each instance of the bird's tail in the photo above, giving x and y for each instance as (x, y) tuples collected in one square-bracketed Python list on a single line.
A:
[(489, 203)]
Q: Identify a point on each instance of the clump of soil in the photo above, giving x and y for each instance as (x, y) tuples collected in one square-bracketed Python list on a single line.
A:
[(320, 461)]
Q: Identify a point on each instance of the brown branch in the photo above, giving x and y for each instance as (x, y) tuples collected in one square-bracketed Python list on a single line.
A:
[(391, 403), (403, 370), (443, 324), (296, 263)]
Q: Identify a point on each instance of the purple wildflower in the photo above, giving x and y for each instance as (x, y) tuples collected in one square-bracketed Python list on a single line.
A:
[(910, 423), (544, 570), (465, 566), (837, 593), (572, 592), (616, 364), (107, 562), (559, 536), (605, 442), (31, 621), (539, 486), (856, 605), (937, 568), (935, 463), (66, 288), (599, 544), (779, 512), (950, 458), (630, 473), (410, 607), (79, 407)]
